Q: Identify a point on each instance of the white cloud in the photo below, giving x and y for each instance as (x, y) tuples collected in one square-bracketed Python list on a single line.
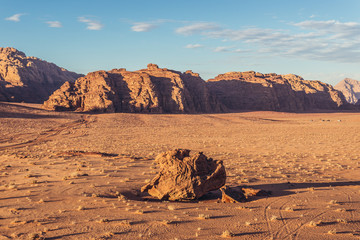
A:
[(143, 27), (91, 24), (336, 28), (15, 17), (194, 46), (54, 24), (239, 50), (196, 28), (223, 49), (315, 40)]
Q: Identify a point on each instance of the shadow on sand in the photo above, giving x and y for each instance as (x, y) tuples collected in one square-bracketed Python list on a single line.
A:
[(17, 110), (275, 190), (282, 189)]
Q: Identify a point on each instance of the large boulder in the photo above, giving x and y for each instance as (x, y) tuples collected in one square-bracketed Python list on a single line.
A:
[(184, 177)]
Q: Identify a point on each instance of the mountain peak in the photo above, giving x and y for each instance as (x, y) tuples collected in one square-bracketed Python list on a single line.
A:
[(11, 52), (29, 79), (350, 88), (152, 66)]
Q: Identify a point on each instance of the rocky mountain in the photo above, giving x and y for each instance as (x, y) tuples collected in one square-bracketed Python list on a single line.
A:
[(159, 90), (350, 88), (29, 79), (255, 91), (151, 90)]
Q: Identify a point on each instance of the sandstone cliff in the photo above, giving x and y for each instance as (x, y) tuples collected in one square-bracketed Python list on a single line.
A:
[(29, 79), (350, 88), (255, 91), (150, 90), (159, 90)]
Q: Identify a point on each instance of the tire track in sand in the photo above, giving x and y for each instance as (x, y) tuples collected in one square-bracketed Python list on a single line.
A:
[(48, 135), (284, 222)]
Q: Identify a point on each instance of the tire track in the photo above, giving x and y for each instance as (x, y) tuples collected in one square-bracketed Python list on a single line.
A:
[(351, 208), (297, 230), (9, 139), (285, 223), (350, 205), (268, 222), (49, 134)]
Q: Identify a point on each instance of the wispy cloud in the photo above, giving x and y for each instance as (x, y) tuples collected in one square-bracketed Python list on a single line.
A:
[(316, 40), (194, 46), (15, 17), (223, 49), (91, 24), (239, 50), (54, 24), (143, 26), (196, 28), (148, 25), (336, 28)]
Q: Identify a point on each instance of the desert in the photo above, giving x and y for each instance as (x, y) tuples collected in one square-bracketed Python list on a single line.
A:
[(67, 175), (179, 120)]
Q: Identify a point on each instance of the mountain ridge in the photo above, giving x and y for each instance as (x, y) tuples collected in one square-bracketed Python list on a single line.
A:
[(160, 90), (256, 91), (29, 79)]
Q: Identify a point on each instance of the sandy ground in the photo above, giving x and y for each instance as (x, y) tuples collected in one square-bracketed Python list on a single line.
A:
[(77, 176)]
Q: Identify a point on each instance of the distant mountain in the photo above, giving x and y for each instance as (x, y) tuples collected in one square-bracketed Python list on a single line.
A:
[(256, 91), (159, 90), (350, 88), (29, 79), (151, 90)]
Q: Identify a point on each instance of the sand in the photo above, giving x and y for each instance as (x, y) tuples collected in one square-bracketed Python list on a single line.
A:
[(77, 176)]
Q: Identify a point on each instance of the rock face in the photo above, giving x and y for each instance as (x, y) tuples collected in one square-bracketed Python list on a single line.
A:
[(151, 90), (185, 177), (159, 90), (255, 91), (29, 79), (350, 88)]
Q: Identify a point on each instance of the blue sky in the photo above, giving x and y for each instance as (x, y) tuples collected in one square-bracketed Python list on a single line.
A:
[(318, 40)]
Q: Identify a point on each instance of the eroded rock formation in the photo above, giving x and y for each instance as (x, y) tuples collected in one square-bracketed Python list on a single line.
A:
[(256, 91), (151, 90), (185, 177), (350, 88), (29, 79), (159, 90)]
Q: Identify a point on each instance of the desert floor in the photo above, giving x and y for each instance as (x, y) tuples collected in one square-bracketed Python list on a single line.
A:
[(77, 176)]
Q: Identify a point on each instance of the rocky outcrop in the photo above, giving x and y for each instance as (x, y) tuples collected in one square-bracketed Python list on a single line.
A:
[(185, 177), (159, 90), (255, 91), (29, 79), (350, 88), (150, 90)]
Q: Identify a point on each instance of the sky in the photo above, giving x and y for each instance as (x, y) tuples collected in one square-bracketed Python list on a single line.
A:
[(317, 39)]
